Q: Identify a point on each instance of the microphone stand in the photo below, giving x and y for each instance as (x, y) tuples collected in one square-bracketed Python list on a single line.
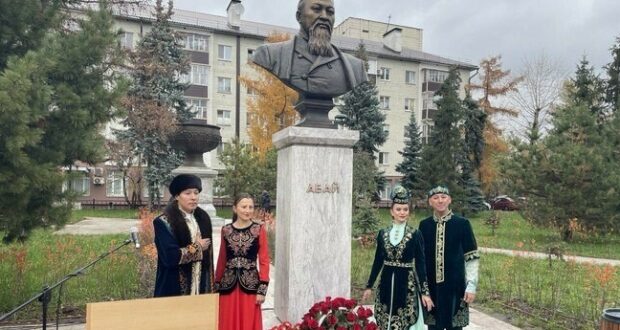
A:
[(45, 296)]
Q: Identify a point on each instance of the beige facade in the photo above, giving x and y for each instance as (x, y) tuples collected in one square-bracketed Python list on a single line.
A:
[(364, 29), (406, 76)]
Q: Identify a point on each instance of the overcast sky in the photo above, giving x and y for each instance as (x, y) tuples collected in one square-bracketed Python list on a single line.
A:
[(469, 30)]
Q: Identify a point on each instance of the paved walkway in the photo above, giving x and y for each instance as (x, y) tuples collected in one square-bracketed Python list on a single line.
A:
[(540, 255)]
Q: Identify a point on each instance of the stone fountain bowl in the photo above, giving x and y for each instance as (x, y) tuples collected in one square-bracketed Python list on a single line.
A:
[(195, 137)]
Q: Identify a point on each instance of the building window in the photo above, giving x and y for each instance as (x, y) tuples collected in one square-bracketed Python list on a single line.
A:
[(437, 76), (384, 102), (126, 40), (409, 104), (197, 75), (383, 73), (199, 107), (114, 184), (426, 132), (410, 77), (383, 158), (386, 192), (223, 85), (224, 52), (196, 42), (79, 184), (223, 117)]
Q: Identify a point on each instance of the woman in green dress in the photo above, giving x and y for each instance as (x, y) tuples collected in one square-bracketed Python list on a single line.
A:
[(399, 263)]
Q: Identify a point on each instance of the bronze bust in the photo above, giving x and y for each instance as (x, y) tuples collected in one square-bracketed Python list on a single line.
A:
[(309, 63)]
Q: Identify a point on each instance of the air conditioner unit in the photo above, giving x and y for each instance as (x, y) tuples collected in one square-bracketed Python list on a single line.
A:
[(98, 180)]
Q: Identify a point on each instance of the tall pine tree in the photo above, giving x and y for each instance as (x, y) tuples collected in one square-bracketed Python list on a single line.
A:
[(586, 89), (55, 100), (473, 125), (442, 156), (410, 166), (612, 87), (361, 108), (155, 102)]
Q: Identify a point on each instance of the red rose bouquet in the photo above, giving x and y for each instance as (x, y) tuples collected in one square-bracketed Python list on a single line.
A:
[(334, 314)]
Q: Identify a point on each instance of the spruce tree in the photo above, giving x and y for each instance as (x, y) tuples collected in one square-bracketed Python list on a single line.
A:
[(442, 156), (361, 108), (361, 111), (155, 102), (473, 143), (55, 100), (572, 175), (587, 89), (612, 86), (410, 166)]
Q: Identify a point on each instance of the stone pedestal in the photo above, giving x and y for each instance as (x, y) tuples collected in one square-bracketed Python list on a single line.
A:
[(207, 176), (313, 223)]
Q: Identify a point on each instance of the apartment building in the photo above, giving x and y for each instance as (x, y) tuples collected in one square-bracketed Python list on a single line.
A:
[(219, 49)]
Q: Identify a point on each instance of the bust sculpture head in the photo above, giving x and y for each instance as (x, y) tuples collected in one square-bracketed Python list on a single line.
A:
[(311, 65), (316, 21)]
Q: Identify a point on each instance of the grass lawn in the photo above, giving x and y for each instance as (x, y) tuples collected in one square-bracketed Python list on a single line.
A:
[(529, 292), (25, 268), (515, 233)]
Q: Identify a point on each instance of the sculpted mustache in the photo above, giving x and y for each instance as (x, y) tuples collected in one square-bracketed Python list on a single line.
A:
[(326, 23)]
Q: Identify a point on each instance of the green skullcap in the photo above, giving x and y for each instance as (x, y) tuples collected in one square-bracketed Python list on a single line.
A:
[(438, 190), (400, 195)]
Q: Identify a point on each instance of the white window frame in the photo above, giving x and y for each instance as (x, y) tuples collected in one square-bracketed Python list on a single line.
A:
[(199, 106), (224, 119), (224, 85), (114, 184), (437, 76), (384, 73), (384, 158), (197, 75), (126, 40), (72, 183), (410, 104), (384, 102), (409, 81), (224, 52), (196, 42)]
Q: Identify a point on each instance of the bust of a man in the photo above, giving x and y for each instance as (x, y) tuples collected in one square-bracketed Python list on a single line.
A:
[(309, 63)]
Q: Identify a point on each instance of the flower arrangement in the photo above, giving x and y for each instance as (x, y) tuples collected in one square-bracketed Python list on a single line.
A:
[(334, 314)]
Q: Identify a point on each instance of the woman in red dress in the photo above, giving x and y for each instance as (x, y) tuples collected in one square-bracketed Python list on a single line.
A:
[(242, 273)]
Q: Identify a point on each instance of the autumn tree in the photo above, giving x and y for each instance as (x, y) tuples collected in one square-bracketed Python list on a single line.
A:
[(494, 83), (271, 108), (537, 95)]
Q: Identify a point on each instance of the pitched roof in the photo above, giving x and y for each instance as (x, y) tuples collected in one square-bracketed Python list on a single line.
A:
[(257, 30)]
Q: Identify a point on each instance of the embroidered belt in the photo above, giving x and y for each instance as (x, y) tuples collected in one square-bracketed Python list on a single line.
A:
[(240, 262), (399, 264)]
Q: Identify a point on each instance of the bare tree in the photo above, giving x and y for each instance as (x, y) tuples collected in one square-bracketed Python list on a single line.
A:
[(537, 95)]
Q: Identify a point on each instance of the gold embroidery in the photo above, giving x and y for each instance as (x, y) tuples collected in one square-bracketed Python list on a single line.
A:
[(400, 264), (471, 255), (440, 242), (191, 253)]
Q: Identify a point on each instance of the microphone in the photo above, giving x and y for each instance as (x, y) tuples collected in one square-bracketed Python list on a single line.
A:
[(133, 232)]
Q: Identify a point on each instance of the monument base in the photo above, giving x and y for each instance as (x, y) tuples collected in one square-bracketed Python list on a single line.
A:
[(313, 232)]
